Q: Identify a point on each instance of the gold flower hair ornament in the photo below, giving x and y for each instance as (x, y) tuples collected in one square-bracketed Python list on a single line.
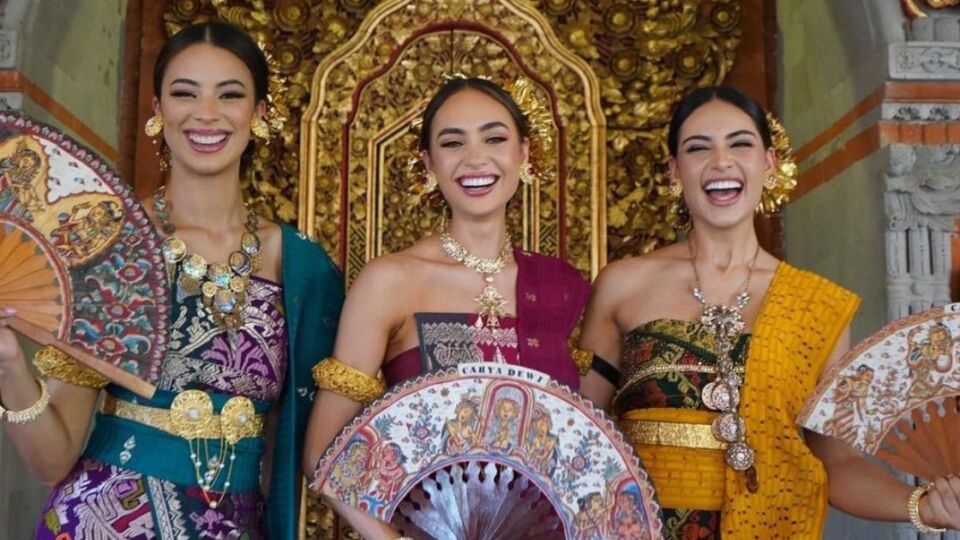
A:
[(539, 122), (785, 171)]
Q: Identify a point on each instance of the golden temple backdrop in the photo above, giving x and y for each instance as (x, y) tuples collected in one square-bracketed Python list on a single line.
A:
[(352, 74)]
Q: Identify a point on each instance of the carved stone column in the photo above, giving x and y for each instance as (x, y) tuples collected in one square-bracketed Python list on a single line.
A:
[(922, 204), (923, 177)]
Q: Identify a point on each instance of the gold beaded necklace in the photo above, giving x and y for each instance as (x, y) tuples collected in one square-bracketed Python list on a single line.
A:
[(224, 285), (490, 300)]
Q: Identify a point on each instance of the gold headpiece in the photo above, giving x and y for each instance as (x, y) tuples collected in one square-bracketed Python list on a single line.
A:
[(785, 170), (539, 122)]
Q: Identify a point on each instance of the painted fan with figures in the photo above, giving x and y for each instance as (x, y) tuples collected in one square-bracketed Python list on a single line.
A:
[(483, 451), (79, 258), (897, 395)]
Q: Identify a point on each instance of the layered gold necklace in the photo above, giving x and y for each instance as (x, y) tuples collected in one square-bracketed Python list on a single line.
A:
[(490, 300), (723, 394), (223, 285)]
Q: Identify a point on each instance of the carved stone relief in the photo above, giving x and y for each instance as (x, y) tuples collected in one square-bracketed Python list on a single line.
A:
[(922, 203), (924, 60)]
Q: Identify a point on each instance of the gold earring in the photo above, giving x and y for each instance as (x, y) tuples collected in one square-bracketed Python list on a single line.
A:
[(154, 125), (260, 129), (444, 220), (431, 184), (163, 156), (676, 188), (770, 180), (526, 174)]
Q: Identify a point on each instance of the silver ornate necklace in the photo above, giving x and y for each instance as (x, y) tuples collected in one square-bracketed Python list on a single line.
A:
[(223, 285), (723, 394)]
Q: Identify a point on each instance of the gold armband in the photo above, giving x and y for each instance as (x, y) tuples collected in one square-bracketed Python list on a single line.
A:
[(583, 359), (913, 510), (332, 374), (32, 412), (53, 363)]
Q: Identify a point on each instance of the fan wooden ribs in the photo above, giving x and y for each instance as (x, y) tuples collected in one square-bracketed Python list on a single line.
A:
[(927, 442)]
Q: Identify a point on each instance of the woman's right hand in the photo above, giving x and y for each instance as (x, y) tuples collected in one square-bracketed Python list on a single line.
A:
[(51, 443), (11, 354)]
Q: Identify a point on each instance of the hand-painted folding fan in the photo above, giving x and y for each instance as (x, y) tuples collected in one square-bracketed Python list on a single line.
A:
[(483, 451), (897, 395), (79, 258)]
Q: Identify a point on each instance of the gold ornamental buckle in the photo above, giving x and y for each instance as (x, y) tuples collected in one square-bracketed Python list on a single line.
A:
[(191, 416)]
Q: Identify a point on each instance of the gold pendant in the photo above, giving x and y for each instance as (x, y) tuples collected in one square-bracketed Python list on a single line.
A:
[(491, 304)]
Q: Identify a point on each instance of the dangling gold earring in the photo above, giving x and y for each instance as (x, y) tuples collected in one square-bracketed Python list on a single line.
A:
[(444, 221), (526, 174), (431, 183), (154, 125), (770, 180), (676, 188), (260, 129), (163, 155), (153, 128)]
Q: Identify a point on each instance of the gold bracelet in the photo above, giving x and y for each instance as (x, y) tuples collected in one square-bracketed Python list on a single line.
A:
[(332, 374), (913, 509), (34, 411), (54, 363)]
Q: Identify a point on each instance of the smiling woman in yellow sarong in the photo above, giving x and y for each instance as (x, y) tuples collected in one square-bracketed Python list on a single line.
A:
[(719, 345)]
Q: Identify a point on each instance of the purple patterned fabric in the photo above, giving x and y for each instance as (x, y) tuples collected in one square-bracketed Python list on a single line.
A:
[(98, 500)]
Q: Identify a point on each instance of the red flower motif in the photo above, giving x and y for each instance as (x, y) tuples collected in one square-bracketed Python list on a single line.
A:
[(112, 345), (118, 311), (131, 273), (694, 531), (578, 463)]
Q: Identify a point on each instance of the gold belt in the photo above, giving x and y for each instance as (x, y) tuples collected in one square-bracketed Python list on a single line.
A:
[(191, 416), (671, 434)]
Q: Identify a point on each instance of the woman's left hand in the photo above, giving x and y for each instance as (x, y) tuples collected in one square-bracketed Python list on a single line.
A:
[(940, 507)]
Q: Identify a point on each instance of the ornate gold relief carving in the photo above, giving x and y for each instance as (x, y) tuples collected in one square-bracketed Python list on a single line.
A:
[(367, 90), (647, 54)]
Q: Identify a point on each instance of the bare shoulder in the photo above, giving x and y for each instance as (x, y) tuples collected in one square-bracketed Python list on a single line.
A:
[(634, 272), (385, 272), (397, 272)]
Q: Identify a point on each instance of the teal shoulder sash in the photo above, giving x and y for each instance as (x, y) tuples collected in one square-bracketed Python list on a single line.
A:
[(312, 297)]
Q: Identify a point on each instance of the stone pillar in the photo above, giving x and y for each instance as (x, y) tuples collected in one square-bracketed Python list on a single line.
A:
[(923, 178)]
